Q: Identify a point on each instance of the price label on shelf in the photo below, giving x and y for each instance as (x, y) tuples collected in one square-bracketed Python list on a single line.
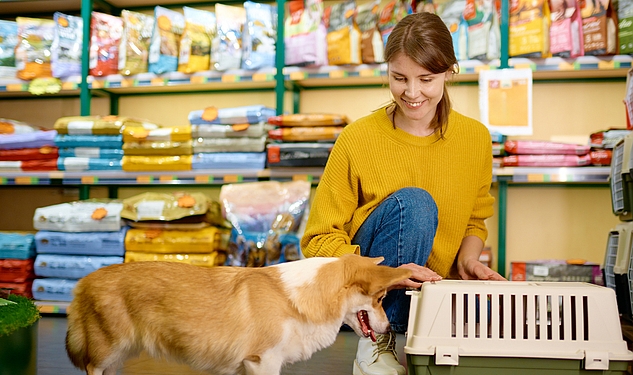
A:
[(158, 81), (144, 179), (339, 73), (203, 179), (302, 177), (260, 77), (227, 78), (231, 178), (196, 80), (167, 178), (3, 180), (27, 180), (297, 76), (89, 180)]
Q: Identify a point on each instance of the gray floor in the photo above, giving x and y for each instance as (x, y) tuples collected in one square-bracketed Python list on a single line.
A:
[(52, 359)]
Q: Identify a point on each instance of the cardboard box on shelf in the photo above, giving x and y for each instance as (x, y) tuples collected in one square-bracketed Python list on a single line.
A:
[(556, 270)]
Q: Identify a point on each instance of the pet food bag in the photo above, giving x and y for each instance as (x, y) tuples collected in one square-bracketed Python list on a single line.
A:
[(91, 152), (37, 139), (266, 217), (138, 163), (343, 34), (88, 140), (372, 48), (92, 215), (40, 153), (195, 44), (67, 46), (165, 206), (484, 34), (226, 47), (625, 27), (230, 131), (95, 125), (566, 38), (148, 132), (10, 126), (17, 245), (8, 42), (529, 28), (216, 258), (163, 50), (260, 35), (106, 243), (134, 48), (16, 270), (250, 114), (173, 241), (158, 148), (54, 289), (229, 160), (391, 14), (244, 144), (33, 51), (452, 13), (599, 27), (106, 32), (71, 266), (81, 164), (309, 119), (305, 34)]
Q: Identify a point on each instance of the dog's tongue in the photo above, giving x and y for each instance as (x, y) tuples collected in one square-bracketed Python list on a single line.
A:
[(363, 318)]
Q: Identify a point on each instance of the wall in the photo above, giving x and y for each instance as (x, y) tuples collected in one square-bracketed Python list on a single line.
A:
[(554, 221)]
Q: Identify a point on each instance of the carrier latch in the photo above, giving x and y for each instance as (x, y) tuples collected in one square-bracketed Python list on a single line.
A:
[(596, 360), (447, 355)]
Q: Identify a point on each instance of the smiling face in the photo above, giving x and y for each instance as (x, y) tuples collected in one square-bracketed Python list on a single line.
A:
[(416, 91)]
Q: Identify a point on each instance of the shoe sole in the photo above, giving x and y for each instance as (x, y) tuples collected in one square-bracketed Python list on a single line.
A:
[(357, 370)]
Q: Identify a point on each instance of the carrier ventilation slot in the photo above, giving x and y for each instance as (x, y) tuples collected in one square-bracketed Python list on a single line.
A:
[(617, 185), (609, 261), (519, 317)]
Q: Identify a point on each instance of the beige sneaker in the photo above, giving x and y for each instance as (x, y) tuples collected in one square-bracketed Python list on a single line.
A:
[(378, 358)]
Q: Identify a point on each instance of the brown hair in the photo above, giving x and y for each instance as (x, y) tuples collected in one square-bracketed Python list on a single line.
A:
[(425, 39)]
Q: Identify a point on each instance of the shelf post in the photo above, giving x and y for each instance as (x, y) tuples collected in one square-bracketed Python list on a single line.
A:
[(84, 90), (280, 58), (502, 217), (505, 34)]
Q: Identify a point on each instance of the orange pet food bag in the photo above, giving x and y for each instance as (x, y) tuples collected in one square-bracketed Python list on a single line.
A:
[(33, 52)]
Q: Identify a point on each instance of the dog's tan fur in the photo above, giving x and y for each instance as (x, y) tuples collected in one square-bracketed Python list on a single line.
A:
[(224, 320)]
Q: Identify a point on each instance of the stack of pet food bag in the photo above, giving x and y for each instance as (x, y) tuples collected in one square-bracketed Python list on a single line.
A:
[(267, 220), (74, 239), (498, 148), (527, 153), (90, 143), (230, 138), (24, 147), (181, 227), (152, 147), (17, 255), (303, 140)]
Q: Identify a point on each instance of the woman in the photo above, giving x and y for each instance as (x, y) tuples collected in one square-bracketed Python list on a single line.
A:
[(409, 182)]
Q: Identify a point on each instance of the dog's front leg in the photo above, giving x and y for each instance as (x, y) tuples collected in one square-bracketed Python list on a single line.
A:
[(257, 365)]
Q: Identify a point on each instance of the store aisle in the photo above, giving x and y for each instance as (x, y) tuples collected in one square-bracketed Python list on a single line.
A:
[(52, 359)]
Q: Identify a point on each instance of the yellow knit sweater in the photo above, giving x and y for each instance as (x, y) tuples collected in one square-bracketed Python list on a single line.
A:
[(370, 160)]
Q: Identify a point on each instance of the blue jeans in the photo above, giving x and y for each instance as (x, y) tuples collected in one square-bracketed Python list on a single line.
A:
[(401, 229)]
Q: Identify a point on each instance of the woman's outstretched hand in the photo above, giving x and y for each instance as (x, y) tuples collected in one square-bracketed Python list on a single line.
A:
[(419, 274), (473, 269)]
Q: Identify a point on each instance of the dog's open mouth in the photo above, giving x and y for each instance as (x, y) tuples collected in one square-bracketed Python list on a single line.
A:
[(363, 319)]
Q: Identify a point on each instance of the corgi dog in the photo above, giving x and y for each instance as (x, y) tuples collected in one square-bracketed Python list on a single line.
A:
[(224, 320)]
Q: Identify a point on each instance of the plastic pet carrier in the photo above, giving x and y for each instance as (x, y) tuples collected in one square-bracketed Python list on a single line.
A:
[(621, 181), (511, 327), (617, 265)]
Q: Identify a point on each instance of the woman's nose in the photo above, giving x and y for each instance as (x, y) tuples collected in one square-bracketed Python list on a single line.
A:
[(413, 88)]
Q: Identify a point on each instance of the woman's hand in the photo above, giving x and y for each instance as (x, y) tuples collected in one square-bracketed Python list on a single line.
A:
[(473, 269), (419, 274)]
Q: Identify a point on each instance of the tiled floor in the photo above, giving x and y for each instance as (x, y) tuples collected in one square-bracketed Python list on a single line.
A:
[(52, 359)]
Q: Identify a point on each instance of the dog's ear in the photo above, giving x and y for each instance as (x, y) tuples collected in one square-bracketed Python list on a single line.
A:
[(378, 260), (382, 277)]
